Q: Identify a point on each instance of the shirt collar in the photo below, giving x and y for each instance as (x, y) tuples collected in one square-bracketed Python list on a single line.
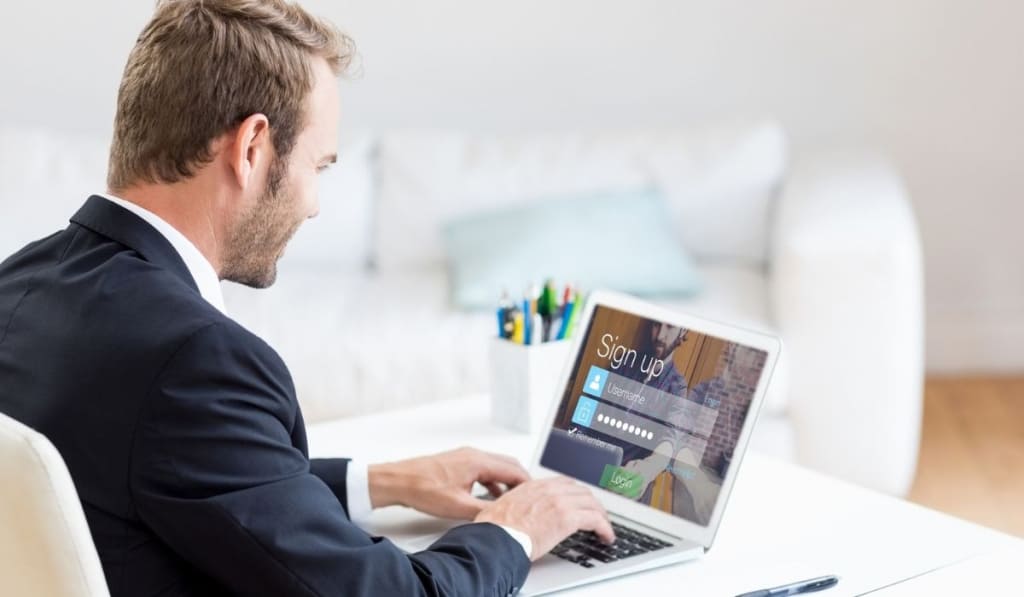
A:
[(202, 272)]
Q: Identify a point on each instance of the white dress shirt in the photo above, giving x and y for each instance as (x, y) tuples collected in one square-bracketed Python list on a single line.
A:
[(357, 478)]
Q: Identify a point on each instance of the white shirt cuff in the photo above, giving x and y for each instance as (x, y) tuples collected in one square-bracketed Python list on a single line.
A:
[(522, 538), (357, 488)]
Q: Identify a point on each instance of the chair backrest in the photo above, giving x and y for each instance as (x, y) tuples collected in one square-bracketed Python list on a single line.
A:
[(45, 545)]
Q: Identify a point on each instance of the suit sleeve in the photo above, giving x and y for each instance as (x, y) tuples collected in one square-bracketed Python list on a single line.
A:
[(217, 476), (334, 473)]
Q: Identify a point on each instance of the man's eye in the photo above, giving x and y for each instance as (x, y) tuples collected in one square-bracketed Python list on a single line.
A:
[(322, 168)]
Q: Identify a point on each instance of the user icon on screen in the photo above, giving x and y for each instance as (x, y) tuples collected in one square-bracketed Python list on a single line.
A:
[(595, 381)]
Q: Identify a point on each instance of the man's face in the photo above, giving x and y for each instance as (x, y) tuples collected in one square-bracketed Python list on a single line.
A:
[(665, 339), (289, 196)]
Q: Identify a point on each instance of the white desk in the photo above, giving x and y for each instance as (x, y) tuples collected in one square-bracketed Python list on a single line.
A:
[(783, 523)]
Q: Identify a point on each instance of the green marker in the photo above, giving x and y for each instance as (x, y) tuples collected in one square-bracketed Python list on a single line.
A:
[(546, 308), (575, 317)]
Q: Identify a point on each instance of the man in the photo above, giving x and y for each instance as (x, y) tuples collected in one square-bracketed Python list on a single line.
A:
[(661, 342), (666, 405), (658, 344), (180, 428)]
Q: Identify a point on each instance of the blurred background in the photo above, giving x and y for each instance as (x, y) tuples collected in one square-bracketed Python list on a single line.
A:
[(932, 89)]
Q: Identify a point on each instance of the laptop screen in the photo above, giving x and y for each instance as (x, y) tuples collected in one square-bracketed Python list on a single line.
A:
[(653, 412)]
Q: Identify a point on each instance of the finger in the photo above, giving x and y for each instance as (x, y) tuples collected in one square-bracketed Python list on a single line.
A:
[(493, 488), (466, 507), (596, 521), (506, 458), (584, 503), (496, 470), (513, 462)]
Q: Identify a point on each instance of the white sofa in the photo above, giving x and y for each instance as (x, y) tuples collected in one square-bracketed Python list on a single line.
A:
[(821, 250)]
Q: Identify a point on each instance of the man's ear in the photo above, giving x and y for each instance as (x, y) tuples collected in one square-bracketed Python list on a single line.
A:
[(251, 149)]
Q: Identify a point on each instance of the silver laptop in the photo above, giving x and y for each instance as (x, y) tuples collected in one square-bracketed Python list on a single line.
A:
[(654, 410)]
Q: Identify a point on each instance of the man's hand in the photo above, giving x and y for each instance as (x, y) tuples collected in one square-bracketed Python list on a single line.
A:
[(440, 485), (549, 510)]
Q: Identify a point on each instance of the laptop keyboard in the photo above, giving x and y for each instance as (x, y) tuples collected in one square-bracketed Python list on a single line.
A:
[(584, 547)]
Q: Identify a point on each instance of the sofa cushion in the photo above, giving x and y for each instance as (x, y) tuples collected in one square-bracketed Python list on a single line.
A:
[(363, 343), (621, 241), (719, 182)]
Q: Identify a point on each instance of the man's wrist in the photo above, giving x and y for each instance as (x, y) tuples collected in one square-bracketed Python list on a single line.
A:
[(385, 485)]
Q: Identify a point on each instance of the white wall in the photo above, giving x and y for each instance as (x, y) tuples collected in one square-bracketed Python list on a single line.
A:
[(936, 84)]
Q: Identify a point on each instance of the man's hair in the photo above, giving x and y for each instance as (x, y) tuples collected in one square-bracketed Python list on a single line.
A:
[(201, 67)]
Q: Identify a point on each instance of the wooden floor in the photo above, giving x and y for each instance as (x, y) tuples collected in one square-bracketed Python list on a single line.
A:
[(972, 451)]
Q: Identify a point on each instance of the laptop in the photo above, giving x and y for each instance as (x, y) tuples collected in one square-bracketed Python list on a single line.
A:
[(654, 410)]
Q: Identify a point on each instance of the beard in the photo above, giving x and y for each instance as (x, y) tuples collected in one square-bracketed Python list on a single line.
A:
[(260, 236)]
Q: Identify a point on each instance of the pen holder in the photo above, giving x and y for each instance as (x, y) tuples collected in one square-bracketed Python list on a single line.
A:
[(523, 380)]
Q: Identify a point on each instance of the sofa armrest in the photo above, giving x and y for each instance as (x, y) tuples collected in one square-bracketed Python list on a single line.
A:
[(847, 294)]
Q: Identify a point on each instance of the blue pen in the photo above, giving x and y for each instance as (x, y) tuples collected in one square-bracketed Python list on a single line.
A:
[(563, 327), (501, 322), (798, 588), (527, 321)]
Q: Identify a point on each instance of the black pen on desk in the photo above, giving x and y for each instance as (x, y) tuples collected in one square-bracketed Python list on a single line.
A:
[(797, 588)]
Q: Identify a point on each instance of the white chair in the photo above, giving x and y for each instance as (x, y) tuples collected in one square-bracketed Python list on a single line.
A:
[(45, 545)]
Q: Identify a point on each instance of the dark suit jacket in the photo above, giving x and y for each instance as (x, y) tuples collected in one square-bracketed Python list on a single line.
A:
[(184, 437)]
